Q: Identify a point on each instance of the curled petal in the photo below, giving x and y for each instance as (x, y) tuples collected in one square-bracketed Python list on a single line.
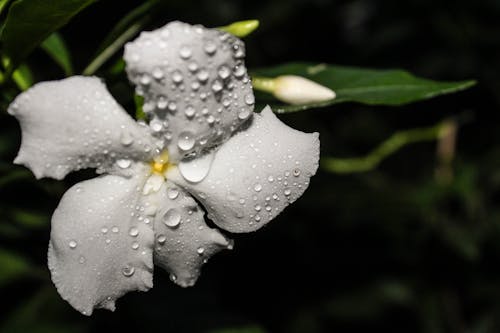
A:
[(75, 123), (99, 249), (183, 241), (255, 174), (194, 82)]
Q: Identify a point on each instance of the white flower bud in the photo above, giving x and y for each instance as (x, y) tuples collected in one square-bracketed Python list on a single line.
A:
[(294, 89)]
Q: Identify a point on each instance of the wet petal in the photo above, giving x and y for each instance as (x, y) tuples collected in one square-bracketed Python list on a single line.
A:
[(195, 84), (256, 174), (99, 249), (183, 241), (75, 123)]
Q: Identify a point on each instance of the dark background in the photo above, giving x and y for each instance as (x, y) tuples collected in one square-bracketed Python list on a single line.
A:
[(394, 250)]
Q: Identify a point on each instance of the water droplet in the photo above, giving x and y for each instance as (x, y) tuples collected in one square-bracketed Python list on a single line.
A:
[(296, 172), (239, 71), (250, 99), (186, 141), (202, 75), (173, 193), (115, 229), (189, 111), (135, 245), (124, 163), (172, 106), (185, 52), (161, 239), (257, 218), (193, 66), (287, 192), (210, 119), (128, 271), (161, 103), (258, 208), (177, 77), (257, 187), (224, 72), (243, 114), (270, 179), (210, 48), (172, 218), (145, 79), (82, 260), (133, 232), (156, 125), (173, 277), (104, 230), (126, 138), (200, 250), (217, 86), (158, 73), (196, 170), (72, 243)]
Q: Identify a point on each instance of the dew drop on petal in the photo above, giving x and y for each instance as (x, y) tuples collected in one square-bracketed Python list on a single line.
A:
[(250, 99), (156, 125), (296, 172), (126, 138), (177, 77), (186, 141), (133, 232), (210, 48), (172, 193), (124, 163), (128, 271), (161, 239), (200, 250), (185, 52), (158, 73), (224, 72), (257, 187), (189, 111), (135, 245), (72, 243), (243, 114), (172, 218)]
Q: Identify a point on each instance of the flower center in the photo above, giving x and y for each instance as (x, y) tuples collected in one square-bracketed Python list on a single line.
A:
[(160, 163)]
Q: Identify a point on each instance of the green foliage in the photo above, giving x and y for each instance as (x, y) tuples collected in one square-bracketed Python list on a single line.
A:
[(56, 48), (13, 267), (366, 86), (30, 22)]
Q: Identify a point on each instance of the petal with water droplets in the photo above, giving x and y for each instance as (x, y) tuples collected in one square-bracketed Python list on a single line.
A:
[(256, 174), (73, 124), (195, 80), (100, 246), (183, 241)]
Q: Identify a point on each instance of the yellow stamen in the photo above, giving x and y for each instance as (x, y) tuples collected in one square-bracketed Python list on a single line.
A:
[(160, 163)]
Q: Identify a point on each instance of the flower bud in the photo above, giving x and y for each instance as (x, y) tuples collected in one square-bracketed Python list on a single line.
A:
[(294, 89), (242, 28)]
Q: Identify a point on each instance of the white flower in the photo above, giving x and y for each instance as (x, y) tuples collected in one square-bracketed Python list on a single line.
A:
[(203, 140)]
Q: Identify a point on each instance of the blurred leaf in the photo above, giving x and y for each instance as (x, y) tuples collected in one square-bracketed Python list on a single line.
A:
[(367, 86), (23, 77), (139, 112), (3, 5), (30, 219), (29, 22), (56, 48), (246, 329), (13, 266)]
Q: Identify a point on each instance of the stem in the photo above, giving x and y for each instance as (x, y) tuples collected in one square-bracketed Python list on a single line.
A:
[(265, 84), (385, 149), (109, 51)]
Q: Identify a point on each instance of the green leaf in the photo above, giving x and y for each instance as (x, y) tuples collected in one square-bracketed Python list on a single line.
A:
[(241, 29), (56, 48), (23, 77), (13, 266), (361, 85), (29, 22), (139, 112)]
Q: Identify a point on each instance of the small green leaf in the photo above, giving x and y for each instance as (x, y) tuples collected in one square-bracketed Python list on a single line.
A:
[(139, 112), (29, 22), (366, 86), (56, 48)]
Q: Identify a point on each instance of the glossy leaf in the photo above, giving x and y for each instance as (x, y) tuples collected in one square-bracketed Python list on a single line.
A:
[(29, 22), (56, 48), (361, 85)]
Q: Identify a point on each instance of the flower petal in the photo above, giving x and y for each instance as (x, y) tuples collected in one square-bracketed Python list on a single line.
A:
[(183, 241), (255, 174), (75, 123), (99, 250), (195, 84)]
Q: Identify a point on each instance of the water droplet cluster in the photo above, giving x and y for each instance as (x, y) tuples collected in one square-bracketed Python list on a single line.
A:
[(194, 82)]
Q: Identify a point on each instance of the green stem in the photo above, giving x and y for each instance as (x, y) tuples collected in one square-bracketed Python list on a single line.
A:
[(3, 5), (265, 84), (109, 51), (385, 149)]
